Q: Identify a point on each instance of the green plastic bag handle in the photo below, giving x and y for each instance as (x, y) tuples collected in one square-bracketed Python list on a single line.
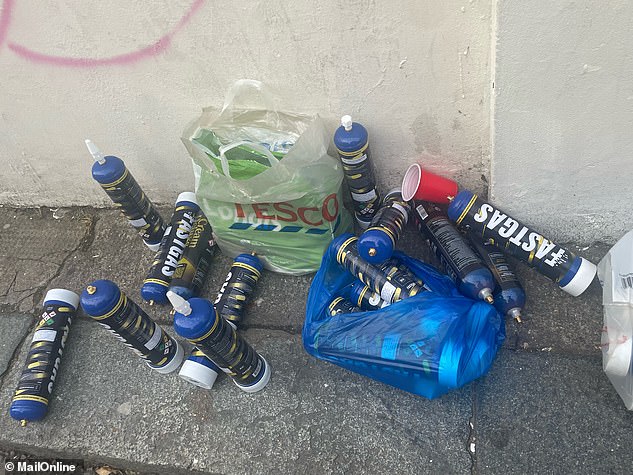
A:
[(272, 160)]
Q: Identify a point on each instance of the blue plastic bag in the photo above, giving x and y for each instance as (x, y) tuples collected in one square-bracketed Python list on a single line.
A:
[(427, 344)]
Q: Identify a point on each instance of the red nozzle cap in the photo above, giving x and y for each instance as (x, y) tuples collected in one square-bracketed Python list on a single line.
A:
[(423, 185)]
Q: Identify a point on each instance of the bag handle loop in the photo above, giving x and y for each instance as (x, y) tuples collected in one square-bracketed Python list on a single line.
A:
[(272, 160)]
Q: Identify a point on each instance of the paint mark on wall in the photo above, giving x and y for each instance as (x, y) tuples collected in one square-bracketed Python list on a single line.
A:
[(154, 49), (5, 20)]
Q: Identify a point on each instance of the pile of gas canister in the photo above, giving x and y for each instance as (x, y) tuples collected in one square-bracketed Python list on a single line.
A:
[(469, 236), (184, 250)]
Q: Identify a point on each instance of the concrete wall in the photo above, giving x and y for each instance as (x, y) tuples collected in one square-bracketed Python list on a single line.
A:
[(563, 120), (130, 76)]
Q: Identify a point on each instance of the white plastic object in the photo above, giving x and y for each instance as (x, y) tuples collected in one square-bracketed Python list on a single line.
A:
[(180, 304), (259, 385), (583, 278), (63, 295), (95, 152), (198, 374), (411, 181), (346, 122), (619, 361), (187, 196), (615, 272), (174, 363)]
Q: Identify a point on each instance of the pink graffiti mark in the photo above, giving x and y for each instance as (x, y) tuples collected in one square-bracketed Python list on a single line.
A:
[(5, 19), (63, 61)]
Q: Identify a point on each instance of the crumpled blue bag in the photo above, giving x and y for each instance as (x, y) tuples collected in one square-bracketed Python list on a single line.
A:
[(427, 344)]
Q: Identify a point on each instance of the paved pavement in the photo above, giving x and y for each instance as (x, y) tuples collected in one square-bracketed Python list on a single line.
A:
[(545, 406)]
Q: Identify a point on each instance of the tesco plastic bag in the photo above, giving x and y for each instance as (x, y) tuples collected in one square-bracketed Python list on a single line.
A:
[(427, 344), (265, 180), (615, 272)]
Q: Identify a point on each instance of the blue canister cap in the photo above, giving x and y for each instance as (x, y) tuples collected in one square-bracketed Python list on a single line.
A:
[(100, 297), (350, 136), (155, 292), (250, 259), (108, 172), (28, 410), (459, 203), (185, 292), (198, 322), (375, 246)]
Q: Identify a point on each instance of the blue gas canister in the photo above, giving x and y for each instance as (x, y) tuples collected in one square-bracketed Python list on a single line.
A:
[(458, 260), (238, 286), (172, 246), (32, 396), (119, 184), (572, 273), (197, 320), (352, 142), (377, 243), (194, 265), (509, 294), (399, 273), (391, 284), (104, 302)]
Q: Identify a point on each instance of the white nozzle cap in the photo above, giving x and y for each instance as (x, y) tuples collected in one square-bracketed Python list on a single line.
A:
[(187, 196), (583, 278), (180, 305), (174, 363), (346, 122), (259, 385), (198, 374), (63, 295), (95, 152), (618, 358)]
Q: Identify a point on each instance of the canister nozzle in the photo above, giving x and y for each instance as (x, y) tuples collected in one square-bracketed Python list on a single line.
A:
[(180, 305), (346, 122), (516, 314), (95, 152), (486, 295)]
